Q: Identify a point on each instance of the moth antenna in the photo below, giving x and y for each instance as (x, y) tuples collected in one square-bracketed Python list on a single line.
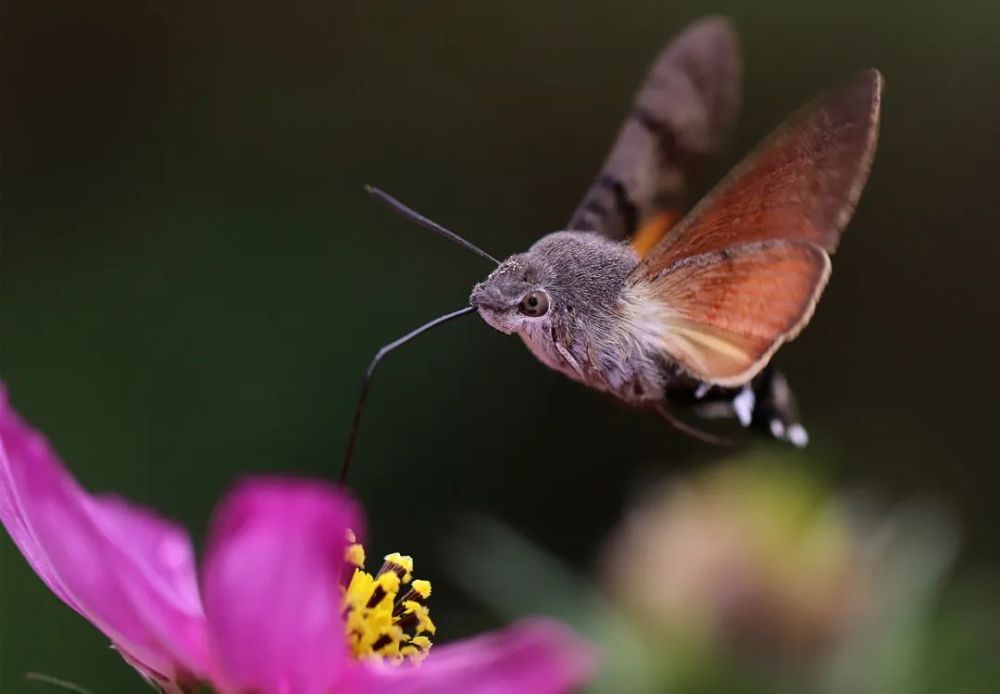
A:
[(686, 428), (366, 383), (414, 216)]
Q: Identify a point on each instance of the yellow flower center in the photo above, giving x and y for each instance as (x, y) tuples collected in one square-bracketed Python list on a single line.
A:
[(385, 615)]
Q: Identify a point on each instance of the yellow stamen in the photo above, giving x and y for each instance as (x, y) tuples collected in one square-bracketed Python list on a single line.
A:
[(382, 619), (422, 588)]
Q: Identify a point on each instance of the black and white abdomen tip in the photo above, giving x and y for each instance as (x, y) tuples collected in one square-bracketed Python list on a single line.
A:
[(766, 404), (772, 408)]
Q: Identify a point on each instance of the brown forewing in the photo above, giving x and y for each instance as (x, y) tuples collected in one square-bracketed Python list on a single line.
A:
[(725, 312), (802, 183)]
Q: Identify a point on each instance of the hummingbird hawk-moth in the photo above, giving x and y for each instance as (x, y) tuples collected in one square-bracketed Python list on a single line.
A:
[(660, 308)]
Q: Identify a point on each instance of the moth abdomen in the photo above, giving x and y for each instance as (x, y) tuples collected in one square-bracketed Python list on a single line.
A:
[(766, 404)]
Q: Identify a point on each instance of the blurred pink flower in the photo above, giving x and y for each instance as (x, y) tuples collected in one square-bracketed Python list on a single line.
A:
[(268, 616)]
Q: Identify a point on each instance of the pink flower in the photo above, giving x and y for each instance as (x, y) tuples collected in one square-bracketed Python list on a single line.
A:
[(269, 615)]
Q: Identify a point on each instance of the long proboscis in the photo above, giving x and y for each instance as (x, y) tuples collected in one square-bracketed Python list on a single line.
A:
[(414, 216), (366, 384)]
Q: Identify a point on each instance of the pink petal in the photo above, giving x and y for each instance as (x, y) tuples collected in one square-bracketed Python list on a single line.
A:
[(160, 582), (128, 572), (272, 586), (531, 657)]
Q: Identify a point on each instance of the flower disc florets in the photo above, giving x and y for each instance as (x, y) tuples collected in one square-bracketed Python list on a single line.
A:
[(385, 615)]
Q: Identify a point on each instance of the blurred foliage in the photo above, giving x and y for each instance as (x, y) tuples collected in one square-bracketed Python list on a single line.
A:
[(191, 279)]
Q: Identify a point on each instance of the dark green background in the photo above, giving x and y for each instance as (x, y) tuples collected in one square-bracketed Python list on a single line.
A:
[(192, 281)]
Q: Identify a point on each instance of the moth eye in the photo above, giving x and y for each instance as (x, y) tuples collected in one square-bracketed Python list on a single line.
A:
[(534, 304)]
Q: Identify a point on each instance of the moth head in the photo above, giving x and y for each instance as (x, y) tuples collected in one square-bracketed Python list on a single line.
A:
[(515, 294)]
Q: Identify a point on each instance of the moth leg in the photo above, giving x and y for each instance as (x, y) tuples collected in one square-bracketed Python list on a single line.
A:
[(668, 416)]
